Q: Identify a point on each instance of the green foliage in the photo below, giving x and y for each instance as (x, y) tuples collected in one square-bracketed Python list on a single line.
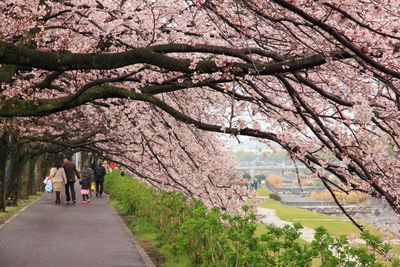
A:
[(246, 175), (209, 237), (260, 177)]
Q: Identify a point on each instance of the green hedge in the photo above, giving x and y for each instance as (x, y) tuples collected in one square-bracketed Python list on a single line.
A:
[(210, 237)]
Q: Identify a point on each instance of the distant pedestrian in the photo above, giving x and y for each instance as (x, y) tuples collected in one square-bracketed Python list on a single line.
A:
[(113, 165), (99, 174), (59, 178), (93, 185), (71, 172), (86, 177), (105, 165)]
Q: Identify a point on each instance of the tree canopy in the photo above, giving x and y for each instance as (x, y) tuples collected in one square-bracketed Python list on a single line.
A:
[(151, 78)]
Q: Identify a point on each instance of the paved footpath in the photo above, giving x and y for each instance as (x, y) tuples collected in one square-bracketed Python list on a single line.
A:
[(80, 235), (270, 217)]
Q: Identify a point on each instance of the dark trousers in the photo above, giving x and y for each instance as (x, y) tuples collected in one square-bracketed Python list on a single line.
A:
[(99, 187), (58, 200), (70, 186), (85, 197)]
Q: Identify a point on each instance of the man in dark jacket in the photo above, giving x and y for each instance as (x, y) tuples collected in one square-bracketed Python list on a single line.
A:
[(70, 172), (99, 173), (94, 165)]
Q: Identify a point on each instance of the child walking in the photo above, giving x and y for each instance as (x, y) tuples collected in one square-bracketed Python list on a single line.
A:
[(85, 183)]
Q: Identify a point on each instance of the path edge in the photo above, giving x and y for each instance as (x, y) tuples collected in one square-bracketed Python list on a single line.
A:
[(145, 257), (19, 212)]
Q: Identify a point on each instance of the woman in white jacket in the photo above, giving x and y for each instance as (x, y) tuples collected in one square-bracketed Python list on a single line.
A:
[(58, 177)]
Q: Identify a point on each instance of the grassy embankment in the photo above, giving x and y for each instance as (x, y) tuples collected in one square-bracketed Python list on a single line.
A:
[(335, 225), (11, 210), (150, 237)]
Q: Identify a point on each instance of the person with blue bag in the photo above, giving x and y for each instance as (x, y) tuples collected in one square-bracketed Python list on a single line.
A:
[(58, 178), (48, 186)]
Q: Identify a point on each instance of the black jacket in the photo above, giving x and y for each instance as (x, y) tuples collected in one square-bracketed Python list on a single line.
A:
[(99, 173), (88, 174), (85, 183)]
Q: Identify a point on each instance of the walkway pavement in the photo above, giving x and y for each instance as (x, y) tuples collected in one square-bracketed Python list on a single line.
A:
[(269, 217), (81, 235)]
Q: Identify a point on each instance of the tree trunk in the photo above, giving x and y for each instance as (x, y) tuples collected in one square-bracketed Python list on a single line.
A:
[(23, 188), (42, 167), (14, 174), (3, 164), (31, 190), (86, 159)]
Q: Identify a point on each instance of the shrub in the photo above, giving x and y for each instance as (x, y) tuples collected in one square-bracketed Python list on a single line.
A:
[(212, 238), (275, 196), (352, 198), (260, 177), (246, 175), (275, 181)]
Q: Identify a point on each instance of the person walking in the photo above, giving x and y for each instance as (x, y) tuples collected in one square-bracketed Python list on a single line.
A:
[(48, 185), (92, 184), (113, 165), (105, 165), (93, 165), (70, 172), (86, 175), (57, 175), (99, 174)]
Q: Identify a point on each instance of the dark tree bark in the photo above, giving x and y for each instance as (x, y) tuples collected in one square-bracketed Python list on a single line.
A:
[(31, 190), (14, 171), (42, 170), (3, 164)]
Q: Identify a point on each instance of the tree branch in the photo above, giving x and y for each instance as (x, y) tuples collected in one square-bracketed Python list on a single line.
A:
[(63, 61)]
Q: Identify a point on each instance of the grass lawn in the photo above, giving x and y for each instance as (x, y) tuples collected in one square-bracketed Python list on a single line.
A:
[(263, 192), (335, 227), (11, 210)]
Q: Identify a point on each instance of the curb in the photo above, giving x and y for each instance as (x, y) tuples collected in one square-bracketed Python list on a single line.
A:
[(147, 260), (19, 212)]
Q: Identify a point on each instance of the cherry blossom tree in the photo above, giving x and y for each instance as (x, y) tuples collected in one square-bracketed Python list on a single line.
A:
[(320, 78)]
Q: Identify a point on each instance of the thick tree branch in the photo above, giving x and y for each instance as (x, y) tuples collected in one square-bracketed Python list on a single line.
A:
[(62, 61)]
